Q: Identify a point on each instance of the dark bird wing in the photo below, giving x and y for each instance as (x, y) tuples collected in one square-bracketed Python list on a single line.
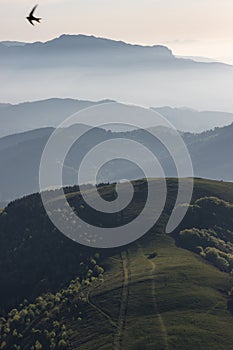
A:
[(30, 21), (32, 11)]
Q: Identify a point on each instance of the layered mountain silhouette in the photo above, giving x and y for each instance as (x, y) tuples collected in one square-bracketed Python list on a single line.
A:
[(90, 67), (50, 113), (12, 43), (81, 44), (191, 120), (20, 155), (39, 114)]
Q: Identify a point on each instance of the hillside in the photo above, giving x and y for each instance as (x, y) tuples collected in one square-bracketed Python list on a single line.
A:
[(150, 294), (21, 153)]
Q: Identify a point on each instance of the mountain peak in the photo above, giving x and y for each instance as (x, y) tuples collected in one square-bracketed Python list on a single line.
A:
[(90, 41)]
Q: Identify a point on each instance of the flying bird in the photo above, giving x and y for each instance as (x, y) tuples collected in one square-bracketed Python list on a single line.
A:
[(31, 17)]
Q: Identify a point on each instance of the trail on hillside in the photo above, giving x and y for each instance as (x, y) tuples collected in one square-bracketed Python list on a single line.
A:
[(98, 309), (124, 302), (153, 291), (76, 343)]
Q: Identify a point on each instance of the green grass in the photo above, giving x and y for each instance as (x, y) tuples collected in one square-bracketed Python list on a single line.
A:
[(223, 190), (175, 300), (180, 303)]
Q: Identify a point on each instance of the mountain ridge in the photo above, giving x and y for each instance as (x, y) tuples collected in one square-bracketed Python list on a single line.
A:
[(80, 39), (51, 112), (82, 43), (21, 153), (93, 68)]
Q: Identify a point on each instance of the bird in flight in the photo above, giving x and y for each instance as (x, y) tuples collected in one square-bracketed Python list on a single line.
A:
[(31, 17)]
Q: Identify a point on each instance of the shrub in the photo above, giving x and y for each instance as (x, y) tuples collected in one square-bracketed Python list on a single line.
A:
[(62, 344)]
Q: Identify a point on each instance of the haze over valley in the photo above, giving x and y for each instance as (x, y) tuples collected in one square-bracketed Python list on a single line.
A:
[(20, 153), (87, 67)]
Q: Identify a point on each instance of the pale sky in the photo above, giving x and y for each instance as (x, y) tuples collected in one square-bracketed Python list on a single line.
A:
[(188, 27)]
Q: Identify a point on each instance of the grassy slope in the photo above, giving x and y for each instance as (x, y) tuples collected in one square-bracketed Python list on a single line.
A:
[(223, 190), (173, 301)]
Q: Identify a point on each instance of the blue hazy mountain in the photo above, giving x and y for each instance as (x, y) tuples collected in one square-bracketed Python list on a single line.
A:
[(50, 113), (191, 120), (82, 44), (96, 68), (13, 43), (39, 114), (20, 155)]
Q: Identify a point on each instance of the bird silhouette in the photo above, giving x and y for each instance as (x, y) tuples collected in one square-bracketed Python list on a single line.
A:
[(31, 17)]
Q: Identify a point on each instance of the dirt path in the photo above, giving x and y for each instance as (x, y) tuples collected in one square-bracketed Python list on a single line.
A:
[(97, 308), (124, 302), (119, 326), (153, 291)]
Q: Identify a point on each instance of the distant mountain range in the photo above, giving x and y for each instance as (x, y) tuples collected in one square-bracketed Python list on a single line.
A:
[(20, 155), (194, 58), (199, 59), (39, 114), (12, 43), (191, 120), (80, 45), (50, 113), (96, 68)]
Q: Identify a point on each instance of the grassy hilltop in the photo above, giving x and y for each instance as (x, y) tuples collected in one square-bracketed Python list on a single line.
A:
[(160, 292)]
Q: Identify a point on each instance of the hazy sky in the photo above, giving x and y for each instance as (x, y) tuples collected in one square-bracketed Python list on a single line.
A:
[(188, 27)]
